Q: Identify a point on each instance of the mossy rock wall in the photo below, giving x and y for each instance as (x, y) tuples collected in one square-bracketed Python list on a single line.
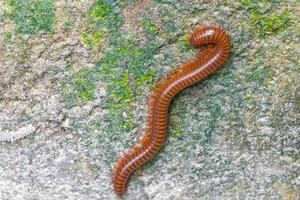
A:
[(75, 78)]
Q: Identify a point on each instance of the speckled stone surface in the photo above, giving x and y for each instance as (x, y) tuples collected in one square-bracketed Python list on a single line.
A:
[(74, 82)]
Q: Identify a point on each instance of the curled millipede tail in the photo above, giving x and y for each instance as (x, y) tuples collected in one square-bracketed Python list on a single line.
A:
[(216, 44)]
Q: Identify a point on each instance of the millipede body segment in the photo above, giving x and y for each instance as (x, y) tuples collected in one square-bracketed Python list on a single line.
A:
[(215, 42)]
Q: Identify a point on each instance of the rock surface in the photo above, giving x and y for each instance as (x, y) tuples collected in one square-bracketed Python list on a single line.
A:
[(74, 84)]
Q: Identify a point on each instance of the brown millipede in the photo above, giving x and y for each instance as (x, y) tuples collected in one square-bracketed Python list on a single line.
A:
[(216, 44)]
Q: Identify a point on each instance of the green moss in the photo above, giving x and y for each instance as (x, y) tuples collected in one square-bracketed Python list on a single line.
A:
[(92, 39), (149, 27), (121, 91), (78, 87), (100, 11), (258, 73), (145, 78), (7, 37), (270, 23), (244, 2), (184, 44), (31, 16), (265, 16), (176, 132), (257, 3), (103, 16), (125, 69), (105, 13), (128, 123)]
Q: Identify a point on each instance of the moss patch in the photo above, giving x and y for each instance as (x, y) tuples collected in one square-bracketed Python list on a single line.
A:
[(92, 39), (78, 87), (106, 13), (125, 69), (31, 16), (7, 36), (176, 131), (266, 17), (270, 23), (149, 27)]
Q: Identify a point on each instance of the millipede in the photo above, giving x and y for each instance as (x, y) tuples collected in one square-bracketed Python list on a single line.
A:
[(215, 44)]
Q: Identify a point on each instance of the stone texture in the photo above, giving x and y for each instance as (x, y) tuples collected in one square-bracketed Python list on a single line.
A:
[(236, 135)]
